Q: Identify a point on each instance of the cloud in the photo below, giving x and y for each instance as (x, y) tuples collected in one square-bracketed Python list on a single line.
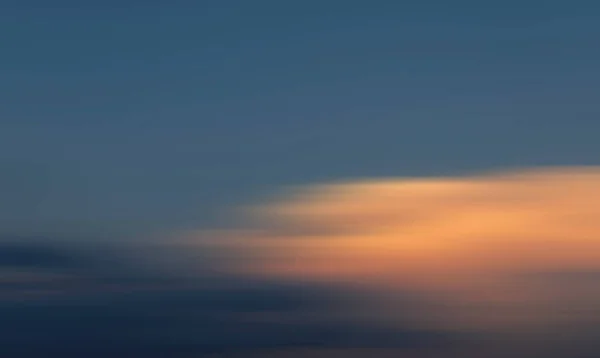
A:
[(43, 267), (506, 251)]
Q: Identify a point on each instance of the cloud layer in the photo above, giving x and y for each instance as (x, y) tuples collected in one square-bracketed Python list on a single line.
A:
[(510, 251), (492, 265), (68, 301)]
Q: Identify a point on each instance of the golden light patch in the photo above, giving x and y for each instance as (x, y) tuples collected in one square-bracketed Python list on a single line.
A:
[(478, 242)]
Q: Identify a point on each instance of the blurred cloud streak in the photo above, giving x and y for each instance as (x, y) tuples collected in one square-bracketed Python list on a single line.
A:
[(516, 253)]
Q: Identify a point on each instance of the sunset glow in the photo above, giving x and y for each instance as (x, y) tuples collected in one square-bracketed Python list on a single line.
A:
[(478, 241)]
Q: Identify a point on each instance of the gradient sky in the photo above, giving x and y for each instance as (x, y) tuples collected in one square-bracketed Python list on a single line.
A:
[(135, 116)]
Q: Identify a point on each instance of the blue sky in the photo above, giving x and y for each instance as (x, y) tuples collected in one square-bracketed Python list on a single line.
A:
[(134, 117)]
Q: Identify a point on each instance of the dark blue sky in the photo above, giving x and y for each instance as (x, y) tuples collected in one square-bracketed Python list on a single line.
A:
[(135, 116)]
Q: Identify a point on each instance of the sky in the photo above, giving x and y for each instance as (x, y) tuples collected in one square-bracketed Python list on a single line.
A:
[(128, 118), (284, 179)]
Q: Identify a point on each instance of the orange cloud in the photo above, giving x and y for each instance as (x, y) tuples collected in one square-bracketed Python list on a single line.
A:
[(480, 244)]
